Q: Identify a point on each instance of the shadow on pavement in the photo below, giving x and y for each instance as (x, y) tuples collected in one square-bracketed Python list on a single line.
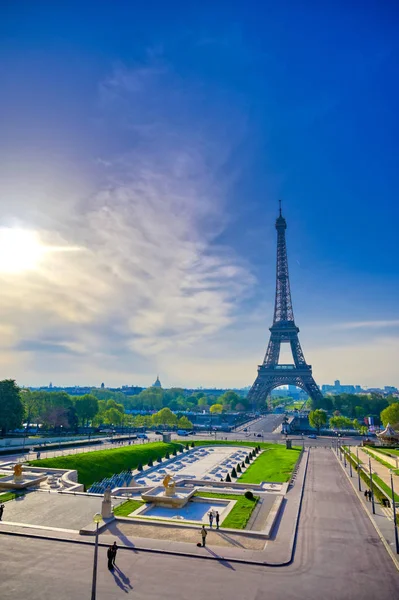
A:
[(277, 522), (222, 561), (121, 580), (113, 529)]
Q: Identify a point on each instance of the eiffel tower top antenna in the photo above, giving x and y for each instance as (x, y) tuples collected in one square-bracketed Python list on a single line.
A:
[(279, 203)]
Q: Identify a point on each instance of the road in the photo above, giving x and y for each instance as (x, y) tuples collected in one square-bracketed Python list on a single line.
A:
[(338, 557)]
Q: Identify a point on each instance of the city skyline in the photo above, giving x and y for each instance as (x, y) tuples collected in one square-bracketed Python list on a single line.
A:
[(142, 159)]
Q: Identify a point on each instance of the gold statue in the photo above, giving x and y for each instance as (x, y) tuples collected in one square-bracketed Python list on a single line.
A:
[(18, 470), (169, 485), (167, 481)]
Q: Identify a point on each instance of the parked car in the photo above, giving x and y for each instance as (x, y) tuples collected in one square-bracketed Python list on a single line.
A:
[(259, 435), (158, 433), (142, 436), (312, 436)]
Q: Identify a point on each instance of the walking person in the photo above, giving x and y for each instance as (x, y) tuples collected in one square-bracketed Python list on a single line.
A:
[(210, 515), (1, 511), (114, 551), (110, 556), (204, 533), (217, 517), (366, 494)]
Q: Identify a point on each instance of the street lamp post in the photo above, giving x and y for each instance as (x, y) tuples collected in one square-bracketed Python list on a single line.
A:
[(97, 519), (394, 514), (358, 470), (371, 487), (350, 463)]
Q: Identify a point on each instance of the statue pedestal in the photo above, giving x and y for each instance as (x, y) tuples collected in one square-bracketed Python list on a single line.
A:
[(106, 509), (170, 491), (18, 478)]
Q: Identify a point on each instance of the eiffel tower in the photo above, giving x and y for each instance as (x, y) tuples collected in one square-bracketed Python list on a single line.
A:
[(271, 374)]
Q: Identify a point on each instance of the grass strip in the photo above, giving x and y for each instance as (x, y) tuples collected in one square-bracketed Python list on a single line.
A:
[(125, 509), (386, 488), (382, 462), (240, 514), (390, 451), (94, 466), (11, 496), (378, 494)]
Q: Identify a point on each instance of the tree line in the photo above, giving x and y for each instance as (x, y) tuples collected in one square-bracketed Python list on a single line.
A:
[(318, 418), (60, 411)]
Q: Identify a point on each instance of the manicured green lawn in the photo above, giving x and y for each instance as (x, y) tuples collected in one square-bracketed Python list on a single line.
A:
[(94, 466), (10, 496), (388, 451), (382, 461), (239, 516), (274, 464), (385, 487), (277, 466), (124, 510)]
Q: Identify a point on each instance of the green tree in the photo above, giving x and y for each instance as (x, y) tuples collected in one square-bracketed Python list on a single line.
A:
[(113, 416), (54, 408), (31, 405), (230, 399), (151, 398), (86, 408), (116, 405), (317, 418), (184, 423), (391, 415), (11, 407), (216, 409), (164, 417), (341, 423)]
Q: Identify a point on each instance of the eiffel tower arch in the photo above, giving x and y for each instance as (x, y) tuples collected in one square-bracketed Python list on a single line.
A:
[(271, 374)]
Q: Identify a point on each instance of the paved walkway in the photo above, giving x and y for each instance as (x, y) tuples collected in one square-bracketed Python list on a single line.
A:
[(383, 517), (379, 469), (52, 510), (258, 519)]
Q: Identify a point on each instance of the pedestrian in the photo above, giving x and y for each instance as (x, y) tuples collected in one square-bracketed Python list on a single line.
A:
[(114, 551), (110, 556), (366, 494), (217, 517), (210, 515), (204, 533), (1, 511)]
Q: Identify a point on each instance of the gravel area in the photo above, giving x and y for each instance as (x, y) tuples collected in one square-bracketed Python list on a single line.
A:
[(179, 534)]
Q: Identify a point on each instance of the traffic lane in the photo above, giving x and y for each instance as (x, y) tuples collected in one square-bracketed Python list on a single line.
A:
[(337, 539)]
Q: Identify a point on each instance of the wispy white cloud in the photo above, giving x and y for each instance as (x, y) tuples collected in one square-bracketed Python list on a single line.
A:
[(150, 265)]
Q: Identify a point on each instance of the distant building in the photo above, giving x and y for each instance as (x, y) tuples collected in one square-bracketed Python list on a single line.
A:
[(390, 389), (102, 386), (338, 388), (157, 383)]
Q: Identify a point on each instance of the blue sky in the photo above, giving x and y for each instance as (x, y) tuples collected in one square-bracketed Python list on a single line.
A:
[(144, 149)]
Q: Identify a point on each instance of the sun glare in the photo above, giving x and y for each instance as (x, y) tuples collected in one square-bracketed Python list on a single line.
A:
[(20, 250)]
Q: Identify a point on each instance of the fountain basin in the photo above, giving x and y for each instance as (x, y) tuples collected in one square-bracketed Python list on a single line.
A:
[(24, 481), (158, 497), (194, 511)]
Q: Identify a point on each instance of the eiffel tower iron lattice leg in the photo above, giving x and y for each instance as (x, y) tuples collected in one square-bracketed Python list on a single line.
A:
[(271, 374)]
